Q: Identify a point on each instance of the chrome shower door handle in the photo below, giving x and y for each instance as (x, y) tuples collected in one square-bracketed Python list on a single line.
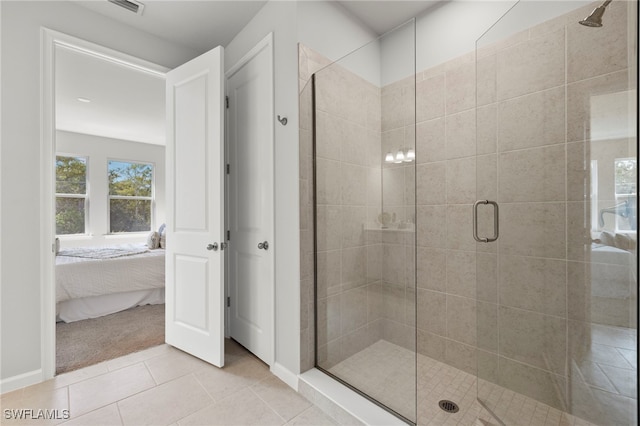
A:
[(496, 221)]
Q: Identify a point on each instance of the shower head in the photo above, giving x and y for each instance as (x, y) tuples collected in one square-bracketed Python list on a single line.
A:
[(595, 18)]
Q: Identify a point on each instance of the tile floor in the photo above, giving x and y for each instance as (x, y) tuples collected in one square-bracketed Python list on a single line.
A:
[(164, 386), (383, 369)]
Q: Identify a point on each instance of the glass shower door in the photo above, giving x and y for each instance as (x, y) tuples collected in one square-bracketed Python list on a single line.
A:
[(364, 202), (557, 151)]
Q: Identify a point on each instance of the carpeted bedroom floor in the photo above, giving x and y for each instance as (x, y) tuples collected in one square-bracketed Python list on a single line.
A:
[(88, 342)]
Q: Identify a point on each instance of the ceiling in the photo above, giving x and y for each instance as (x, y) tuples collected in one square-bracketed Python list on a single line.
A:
[(129, 104)]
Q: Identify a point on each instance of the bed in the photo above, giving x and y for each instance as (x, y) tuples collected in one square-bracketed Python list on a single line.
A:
[(96, 281)]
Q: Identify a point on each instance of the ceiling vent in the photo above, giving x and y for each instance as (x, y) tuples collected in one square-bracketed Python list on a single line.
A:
[(131, 5)]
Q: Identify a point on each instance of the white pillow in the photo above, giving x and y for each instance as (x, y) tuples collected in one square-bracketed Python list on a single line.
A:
[(163, 237), (153, 240)]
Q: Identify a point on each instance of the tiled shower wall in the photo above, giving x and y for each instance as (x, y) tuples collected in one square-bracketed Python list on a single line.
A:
[(534, 304), (366, 278)]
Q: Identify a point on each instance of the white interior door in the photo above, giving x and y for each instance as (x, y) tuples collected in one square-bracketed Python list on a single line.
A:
[(195, 207), (250, 156)]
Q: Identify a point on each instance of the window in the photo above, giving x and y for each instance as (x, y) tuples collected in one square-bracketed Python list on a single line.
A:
[(130, 196), (71, 195), (626, 193)]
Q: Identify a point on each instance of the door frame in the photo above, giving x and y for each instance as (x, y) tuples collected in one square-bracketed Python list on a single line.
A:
[(266, 42), (50, 39)]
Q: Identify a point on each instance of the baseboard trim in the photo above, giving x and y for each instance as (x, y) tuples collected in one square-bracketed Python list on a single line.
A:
[(20, 381), (285, 375)]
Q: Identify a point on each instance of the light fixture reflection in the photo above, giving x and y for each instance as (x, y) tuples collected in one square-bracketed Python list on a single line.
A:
[(403, 155)]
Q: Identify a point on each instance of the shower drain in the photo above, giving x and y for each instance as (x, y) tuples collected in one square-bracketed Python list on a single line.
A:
[(448, 406)]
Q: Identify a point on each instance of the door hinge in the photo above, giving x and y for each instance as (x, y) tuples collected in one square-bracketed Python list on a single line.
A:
[(226, 100), (228, 168), (228, 301), (228, 235)]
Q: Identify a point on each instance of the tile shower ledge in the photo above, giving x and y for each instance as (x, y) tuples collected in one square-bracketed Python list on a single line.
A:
[(401, 230)]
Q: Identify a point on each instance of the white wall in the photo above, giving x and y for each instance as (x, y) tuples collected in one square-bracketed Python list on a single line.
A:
[(279, 17), (334, 32), (20, 333), (99, 150)]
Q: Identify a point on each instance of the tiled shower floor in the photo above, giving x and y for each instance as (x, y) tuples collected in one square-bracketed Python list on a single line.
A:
[(386, 372)]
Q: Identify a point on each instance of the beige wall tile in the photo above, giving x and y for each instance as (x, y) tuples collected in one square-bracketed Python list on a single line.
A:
[(461, 135), (487, 277), (394, 264), (536, 174), (593, 53), (578, 171), (486, 79), (329, 272), (487, 326), (431, 345), (353, 267), (532, 120), (461, 181), (328, 227), (432, 273), (486, 184), (374, 262), (461, 273), (353, 310), (431, 183), (329, 319), (394, 302), (431, 310), (328, 182), (459, 227), (533, 229), (393, 108), (460, 87), (461, 319), (430, 141), (353, 180), (487, 129), (374, 187), (533, 382), (579, 291), (431, 226), (393, 187), (531, 66), (487, 369), (353, 219), (534, 284), (430, 98), (579, 231), (330, 135), (533, 338), (461, 356)]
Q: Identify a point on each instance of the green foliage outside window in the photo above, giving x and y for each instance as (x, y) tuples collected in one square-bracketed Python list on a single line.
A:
[(130, 193), (71, 190)]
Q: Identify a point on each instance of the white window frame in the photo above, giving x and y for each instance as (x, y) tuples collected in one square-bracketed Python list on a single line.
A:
[(152, 198), (87, 225), (623, 197)]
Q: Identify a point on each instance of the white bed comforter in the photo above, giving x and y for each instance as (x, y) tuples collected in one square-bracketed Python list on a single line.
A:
[(78, 277)]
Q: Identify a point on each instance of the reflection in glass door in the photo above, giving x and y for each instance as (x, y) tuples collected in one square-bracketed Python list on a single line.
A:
[(557, 149)]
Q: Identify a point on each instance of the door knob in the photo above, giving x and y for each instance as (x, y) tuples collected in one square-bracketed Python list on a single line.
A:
[(263, 246), (213, 247)]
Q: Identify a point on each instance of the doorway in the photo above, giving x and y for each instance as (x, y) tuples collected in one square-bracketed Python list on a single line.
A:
[(87, 208)]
